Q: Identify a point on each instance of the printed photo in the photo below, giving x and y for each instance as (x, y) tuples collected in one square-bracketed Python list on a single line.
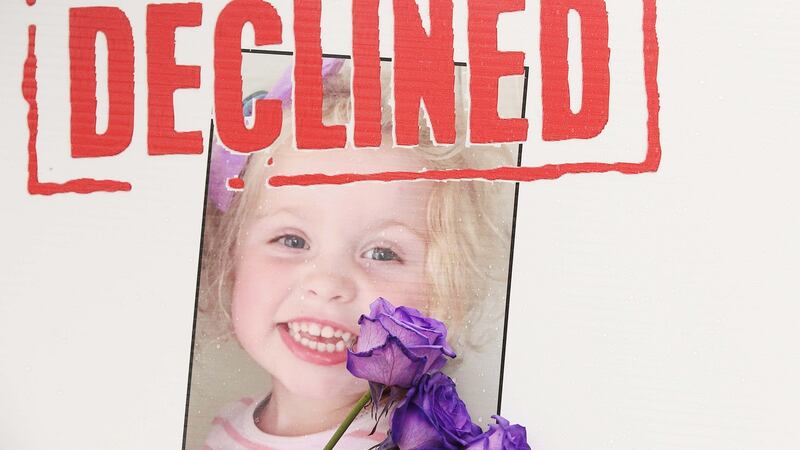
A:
[(286, 272)]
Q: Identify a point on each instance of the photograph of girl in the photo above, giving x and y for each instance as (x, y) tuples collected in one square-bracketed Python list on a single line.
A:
[(286, 272)]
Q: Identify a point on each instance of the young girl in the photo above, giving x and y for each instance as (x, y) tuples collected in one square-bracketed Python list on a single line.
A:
[(291, 269)]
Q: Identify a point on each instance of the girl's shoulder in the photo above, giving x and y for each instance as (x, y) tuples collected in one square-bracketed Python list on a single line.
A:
[(234, 429)]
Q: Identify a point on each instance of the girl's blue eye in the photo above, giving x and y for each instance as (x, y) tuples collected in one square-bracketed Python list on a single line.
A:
[(381, 254), (292, 241)]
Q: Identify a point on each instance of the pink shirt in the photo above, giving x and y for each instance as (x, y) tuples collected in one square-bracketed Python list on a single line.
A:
[(234, 429)]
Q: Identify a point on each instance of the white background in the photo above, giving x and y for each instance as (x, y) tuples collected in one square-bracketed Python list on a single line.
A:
[(648, 312)]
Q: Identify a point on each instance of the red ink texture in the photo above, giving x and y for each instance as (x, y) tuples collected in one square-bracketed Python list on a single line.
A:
[(310, 132), (547, 172), (236, 183), (31, 2), (366, 74), (653, 158), (558, 121), (164, 76), (228, 76), (486, 66), (84, 25), (29, 91), (423, 71)]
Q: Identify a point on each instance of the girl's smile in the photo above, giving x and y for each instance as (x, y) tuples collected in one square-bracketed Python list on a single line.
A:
[(317, 341)]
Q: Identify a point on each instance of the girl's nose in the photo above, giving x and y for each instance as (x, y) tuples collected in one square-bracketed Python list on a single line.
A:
[(331, 285)]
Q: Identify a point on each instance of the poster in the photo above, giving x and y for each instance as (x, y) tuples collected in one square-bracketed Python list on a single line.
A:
[(615, 223)]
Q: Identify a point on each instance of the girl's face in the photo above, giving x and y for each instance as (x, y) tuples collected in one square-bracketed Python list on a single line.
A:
[(310, 260)]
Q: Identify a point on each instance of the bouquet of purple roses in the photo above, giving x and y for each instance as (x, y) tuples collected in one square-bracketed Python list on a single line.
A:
[(401, 352)]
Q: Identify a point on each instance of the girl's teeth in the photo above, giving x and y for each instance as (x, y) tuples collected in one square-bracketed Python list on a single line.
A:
[(311, 330)]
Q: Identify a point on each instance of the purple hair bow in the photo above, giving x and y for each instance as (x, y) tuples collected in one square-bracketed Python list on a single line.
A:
[(227, 164)]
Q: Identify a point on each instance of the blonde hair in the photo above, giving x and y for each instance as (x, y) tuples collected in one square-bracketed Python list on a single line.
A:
[(469, 223)]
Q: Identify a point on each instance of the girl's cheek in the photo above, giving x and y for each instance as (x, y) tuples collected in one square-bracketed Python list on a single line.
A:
[(393, 272), (261, 282), (280, 271), (402, 285)]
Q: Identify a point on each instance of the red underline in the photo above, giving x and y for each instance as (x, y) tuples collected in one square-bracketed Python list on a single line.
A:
[(512, 174)]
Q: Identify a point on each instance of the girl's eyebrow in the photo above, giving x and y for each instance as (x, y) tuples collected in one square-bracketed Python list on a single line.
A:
[(393, 223), (284, 211)]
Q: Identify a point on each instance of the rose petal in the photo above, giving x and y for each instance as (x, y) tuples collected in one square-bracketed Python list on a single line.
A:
[(495, 440), (380, 306), (390, 364), (500, 436), (371, 335), (417, 319), (407, 335), (436, 399), (435, 330), (409, 314), (434, 355), (411, 429), (501, 421)]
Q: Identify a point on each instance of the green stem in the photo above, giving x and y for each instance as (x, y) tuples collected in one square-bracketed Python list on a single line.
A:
[(348, 420)]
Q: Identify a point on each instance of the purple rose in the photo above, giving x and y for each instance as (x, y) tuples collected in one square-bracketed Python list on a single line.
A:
[(397, 346), (432, 416), (502, 436)]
